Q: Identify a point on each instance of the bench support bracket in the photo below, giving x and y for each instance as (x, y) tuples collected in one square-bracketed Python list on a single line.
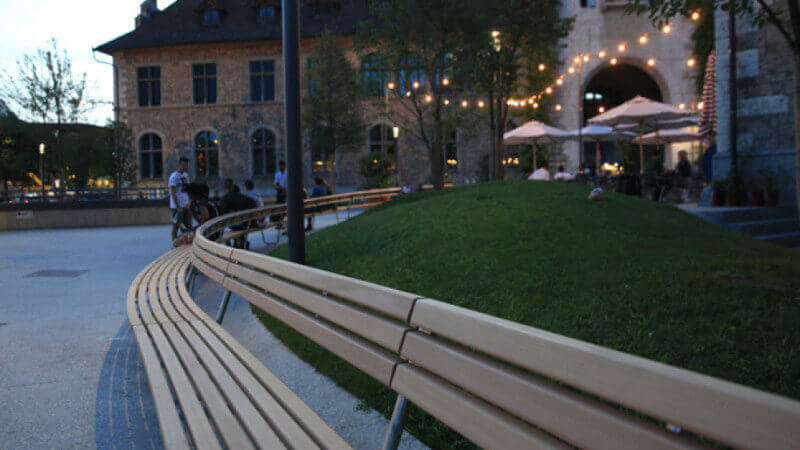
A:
[(396, 425), (190, 282), (226, 297)]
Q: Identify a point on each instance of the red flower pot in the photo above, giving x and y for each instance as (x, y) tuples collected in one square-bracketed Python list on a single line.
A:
[(772, 198), (757, 198)]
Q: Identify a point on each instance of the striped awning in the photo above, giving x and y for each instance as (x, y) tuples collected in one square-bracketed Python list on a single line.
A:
[(708, 115)]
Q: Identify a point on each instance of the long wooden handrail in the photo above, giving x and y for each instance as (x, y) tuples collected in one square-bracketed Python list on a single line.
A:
[(490, 378)]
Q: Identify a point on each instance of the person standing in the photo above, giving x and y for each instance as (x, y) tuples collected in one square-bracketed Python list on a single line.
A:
[(179, 198), (280, 183)]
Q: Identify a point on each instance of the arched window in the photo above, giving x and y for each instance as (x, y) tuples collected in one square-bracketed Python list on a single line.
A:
[(206, 154), (374, 76), (410, 72), (451, 151), (263, 147), (383, 139), (150, 157)]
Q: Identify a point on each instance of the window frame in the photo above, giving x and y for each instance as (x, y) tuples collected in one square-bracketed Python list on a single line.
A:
[(385, 143), (207, 83), (265, 148), (210, 152), (152, 85), (374, 67), (262, 75), (451, 142), (150, 152)]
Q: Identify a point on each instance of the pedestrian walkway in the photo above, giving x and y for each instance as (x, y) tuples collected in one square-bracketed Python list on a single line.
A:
[(70, 372), (776, 225)]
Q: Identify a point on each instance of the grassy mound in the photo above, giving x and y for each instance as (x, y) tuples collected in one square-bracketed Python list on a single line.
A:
[(625, 273)]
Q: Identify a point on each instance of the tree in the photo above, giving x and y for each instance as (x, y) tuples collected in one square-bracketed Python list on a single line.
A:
[(417, 42), (784, 15), (46, 90), (514, 48), (119, 146), (331, 110), (16, 149)]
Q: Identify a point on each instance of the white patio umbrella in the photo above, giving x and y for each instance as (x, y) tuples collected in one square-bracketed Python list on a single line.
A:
[(642, 112), (689, 121), (534, 132), (667, 137), (598, 134)]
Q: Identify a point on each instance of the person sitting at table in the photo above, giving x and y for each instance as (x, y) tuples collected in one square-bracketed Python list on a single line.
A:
[(563, 175), (541, 174)]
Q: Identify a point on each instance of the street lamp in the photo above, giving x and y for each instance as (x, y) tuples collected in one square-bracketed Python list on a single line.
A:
[(41, 169)]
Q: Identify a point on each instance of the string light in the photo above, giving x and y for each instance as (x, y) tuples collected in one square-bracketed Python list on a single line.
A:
[(643, 39), (464, 103), (416, 85), (571, 70), (535, 105), (602, 54), (541, 67), (560, 81), (446, 102), (690, 62), (445, 81), (696, 15), (621, 48), (480, 104), (666, 28), (558, 107), (585, 58), (509, 102), (408, 93), (601, 109), (390, 86), (700, 105), (682, 106), (651, 62), (577, 60), (428, 98), (613, 61), (549, 90)]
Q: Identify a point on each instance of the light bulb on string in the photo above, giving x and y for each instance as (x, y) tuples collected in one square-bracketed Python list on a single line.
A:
[(446, 102), (445, 81), (541, 67), (416, 85), (682, 106), (571, 70), (428, 98), (585, 58), (464, 103), (666, 29), (613, 61), (390, 86), (577, 59), (480, 104), (700, 105), (696, 15), (602, 54), (621, 48), (643, 39), (690, 62), (559, 81), (601, 109), (549, 90), (558, 107), (535, 105), (408, 93), (651, 62)]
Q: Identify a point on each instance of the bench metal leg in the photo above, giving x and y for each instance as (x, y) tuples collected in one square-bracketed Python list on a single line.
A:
[(226, 297), (396, 425)]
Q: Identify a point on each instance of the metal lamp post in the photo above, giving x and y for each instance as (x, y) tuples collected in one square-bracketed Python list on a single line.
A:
[(41, 169)]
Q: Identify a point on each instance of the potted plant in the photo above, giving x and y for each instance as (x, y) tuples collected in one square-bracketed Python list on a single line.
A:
[(718, 192)]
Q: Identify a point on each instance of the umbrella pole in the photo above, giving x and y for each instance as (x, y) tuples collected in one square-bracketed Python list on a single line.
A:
[(597, 162), (534, 156), (641, 149)]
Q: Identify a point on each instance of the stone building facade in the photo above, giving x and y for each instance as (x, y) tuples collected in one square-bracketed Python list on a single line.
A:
[(765, 118), (602, 25), (234, 135)]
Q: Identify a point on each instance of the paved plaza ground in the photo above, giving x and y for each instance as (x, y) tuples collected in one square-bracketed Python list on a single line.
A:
[(70, 372)]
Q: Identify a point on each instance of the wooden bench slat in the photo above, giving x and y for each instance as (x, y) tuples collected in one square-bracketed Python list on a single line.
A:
[(203, 434), (146, 317), (176, 279), (370, 359), (377, 329), (278, 417), (251, 418), (212, 261), (132, 307), (168, 418), (153, 302), (476, 420), (168, 279), (388, 301), (232, 433), (732, 414), (309, 420), (576, 419)]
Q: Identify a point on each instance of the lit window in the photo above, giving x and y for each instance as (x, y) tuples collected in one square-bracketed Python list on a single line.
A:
[(206, 154), (382, 139), (323, 158), (150, 157), (451, 151), (264, 152)]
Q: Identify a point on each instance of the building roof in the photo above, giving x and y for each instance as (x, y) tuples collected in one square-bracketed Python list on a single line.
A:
[(182, 23)]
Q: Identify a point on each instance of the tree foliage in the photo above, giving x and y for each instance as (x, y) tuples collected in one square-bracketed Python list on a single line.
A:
[(331, 111)]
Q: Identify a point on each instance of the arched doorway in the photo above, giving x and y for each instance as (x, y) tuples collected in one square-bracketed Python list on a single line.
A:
[(610, 86)]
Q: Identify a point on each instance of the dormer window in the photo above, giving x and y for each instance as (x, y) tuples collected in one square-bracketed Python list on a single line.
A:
[(267, 14), (211, 17), (324, 9)]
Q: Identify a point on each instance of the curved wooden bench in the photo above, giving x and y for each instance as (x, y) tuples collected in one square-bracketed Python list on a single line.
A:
[(209, 391), (498, 383)]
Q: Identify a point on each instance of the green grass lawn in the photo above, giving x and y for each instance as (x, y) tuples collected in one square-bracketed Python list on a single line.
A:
[(622, 272)]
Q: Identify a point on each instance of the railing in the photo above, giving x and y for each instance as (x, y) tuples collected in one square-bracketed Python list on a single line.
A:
[(498, 383), (31, 195)]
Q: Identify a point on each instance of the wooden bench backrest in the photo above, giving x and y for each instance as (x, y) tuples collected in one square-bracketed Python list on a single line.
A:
[(499, 383)]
